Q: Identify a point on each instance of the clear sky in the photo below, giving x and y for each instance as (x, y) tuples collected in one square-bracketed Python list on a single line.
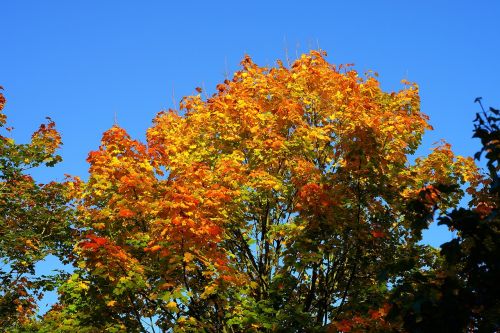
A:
[(80, 62)]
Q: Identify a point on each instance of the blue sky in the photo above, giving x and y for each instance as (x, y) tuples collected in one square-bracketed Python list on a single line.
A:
[(80, 62)]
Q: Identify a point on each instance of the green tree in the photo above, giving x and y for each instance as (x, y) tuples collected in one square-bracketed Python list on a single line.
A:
[(462, 294), (34, 221)]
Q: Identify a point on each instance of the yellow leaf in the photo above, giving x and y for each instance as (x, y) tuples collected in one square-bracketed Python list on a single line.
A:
[(209, 290), (83, 286), (188, 257), (111, 303), (172, 306)]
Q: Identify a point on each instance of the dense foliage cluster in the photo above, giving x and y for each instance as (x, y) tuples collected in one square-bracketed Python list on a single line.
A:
[(285, 202), (462, 294), (35, 220)]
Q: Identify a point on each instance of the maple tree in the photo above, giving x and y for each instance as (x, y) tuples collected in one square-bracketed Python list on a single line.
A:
[(286, 201), (34, 221)]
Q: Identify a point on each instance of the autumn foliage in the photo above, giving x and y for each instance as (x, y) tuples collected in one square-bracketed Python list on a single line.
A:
[(284, 202)]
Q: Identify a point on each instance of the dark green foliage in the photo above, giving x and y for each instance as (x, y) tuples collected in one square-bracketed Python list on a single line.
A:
[(463, 293)]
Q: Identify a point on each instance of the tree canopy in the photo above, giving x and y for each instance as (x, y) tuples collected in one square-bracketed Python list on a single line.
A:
[(285, 202), (35, 221)]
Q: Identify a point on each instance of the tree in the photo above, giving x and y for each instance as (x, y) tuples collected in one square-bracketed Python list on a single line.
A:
[(284, 202), (34, 221), (462, 294)]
